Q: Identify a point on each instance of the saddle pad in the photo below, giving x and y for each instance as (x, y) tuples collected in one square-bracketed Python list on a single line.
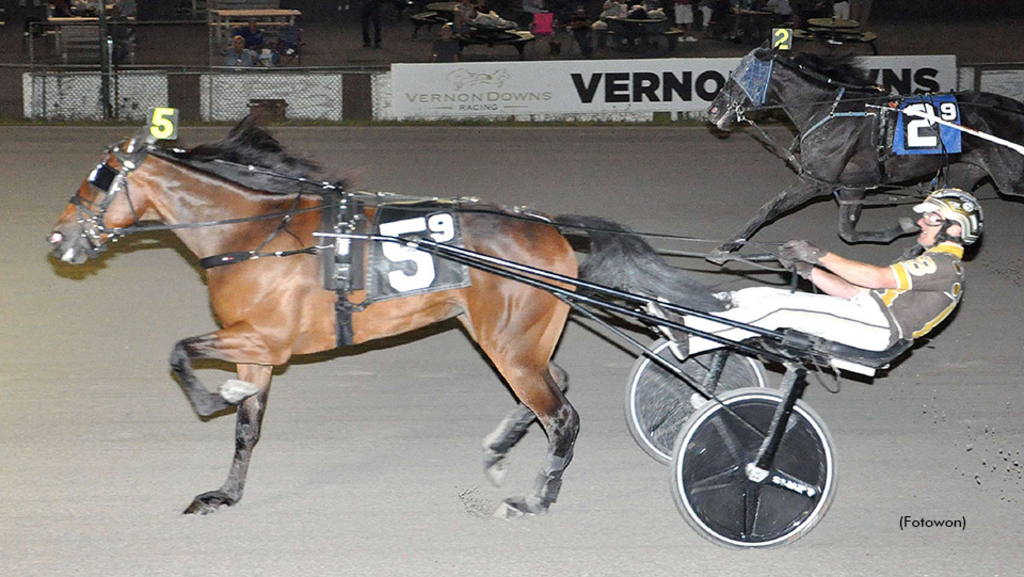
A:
[(395, 270), (915, 135)]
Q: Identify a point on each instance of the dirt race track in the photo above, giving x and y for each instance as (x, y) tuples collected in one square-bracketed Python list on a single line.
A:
[(370, 463)]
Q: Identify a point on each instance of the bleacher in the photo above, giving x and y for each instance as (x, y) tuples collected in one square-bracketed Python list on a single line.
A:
[(79, 44), (242, 4)]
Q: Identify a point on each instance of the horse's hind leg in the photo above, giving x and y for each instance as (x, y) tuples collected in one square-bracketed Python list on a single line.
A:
[(538, 390), (851, 204), (519, 335), (512, 429), (247, 434)]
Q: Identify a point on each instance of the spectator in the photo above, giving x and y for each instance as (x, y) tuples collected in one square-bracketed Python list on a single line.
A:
[(579, 23), (85, 7), (705, 16), (780, 7), (289, 44), (239, 55), (860, 10), (60, 8), (684, 19), (491, 19), (121, 33), (654, 9), (252, 35), (721, 17), (370, 14), (124, 9), (465, 12), (446, 48), (612, 9), (637, 12), (533, 6), (841, 9), (804, 10)]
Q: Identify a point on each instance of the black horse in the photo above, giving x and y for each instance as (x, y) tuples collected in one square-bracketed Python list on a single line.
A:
[(847, 128)]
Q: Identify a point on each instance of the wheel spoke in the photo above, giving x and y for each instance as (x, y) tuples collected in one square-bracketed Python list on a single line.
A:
[(751, 501), (714, 481), (730, 436), (681, 405)]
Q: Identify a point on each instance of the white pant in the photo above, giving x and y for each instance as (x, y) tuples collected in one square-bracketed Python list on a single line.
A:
[(841, 10), (684, 14), (858, 322)]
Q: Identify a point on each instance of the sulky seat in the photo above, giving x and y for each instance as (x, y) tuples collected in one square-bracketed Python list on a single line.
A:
[(845, 357)]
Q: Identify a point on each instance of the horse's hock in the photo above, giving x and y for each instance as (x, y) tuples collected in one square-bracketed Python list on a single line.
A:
[(267, 110)]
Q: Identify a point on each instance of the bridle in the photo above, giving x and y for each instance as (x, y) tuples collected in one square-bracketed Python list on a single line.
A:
[(753, 76), (110, 182)]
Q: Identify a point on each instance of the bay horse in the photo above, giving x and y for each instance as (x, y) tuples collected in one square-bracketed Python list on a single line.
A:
[(245, 196), (846, 127)]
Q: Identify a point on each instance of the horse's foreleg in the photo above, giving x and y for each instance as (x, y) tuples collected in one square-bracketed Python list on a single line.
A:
[(784, 202), (247, 434), (851, 204), (233, 344), (511, 430)]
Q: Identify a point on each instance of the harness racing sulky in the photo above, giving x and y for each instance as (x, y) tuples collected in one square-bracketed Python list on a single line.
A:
[(295, 266), (854, 139)]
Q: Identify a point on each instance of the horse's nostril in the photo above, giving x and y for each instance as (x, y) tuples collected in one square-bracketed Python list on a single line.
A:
[(56, 238)]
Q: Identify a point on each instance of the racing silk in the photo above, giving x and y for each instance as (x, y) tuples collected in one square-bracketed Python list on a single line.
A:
[(930, 287)]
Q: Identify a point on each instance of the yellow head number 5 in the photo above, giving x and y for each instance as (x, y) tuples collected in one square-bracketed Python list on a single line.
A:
[(163, 123)]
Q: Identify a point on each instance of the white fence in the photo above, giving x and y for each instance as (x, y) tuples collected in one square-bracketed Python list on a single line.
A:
[(607, 90), (226, 96), (76, 95)]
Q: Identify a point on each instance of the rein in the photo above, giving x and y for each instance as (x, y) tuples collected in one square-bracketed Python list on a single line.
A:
[(112, 181)]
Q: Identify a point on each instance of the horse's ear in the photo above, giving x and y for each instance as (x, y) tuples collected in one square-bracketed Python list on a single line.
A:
[(140, 139), (243, 125)]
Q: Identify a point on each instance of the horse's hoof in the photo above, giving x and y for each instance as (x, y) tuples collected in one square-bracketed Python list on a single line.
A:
[(235, 391), (496, 469), (516, 507), (209, 503)]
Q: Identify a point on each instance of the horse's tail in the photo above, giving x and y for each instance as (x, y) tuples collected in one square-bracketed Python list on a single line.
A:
[(621, 259)]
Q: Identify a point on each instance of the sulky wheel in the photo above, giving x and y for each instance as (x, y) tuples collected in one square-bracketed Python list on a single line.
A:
[(724, 499), (658, 403)]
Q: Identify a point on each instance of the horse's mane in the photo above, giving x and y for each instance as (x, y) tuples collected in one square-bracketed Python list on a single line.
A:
[(250, 145), (841, 68)]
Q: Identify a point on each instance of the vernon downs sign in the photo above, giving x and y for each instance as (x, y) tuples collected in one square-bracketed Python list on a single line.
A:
[(473, 89)]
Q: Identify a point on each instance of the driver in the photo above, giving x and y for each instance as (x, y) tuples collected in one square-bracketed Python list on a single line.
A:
[(864, 306)]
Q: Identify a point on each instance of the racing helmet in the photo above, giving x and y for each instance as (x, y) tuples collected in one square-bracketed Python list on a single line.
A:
[(956, 206)]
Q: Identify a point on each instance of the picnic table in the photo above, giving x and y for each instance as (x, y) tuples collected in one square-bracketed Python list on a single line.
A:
[(434, 13), (492, 36), (754, 25), (836, 32)]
